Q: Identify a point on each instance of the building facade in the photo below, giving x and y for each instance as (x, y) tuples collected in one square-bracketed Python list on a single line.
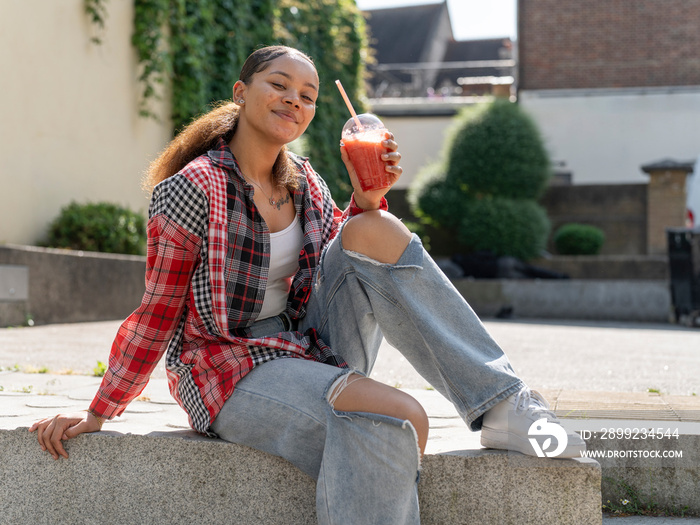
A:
[(70, 126), (613, 84), (416, 55)]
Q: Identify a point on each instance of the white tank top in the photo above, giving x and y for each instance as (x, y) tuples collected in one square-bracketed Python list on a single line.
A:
[(285, 246)]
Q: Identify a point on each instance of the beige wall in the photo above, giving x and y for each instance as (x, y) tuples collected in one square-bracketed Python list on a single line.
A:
[(605, 136), (69, 124), (420, 142)]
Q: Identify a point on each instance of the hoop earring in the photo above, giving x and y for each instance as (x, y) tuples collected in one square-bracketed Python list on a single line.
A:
[(241, 101)]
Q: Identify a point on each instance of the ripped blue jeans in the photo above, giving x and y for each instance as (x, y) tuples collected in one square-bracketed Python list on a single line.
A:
[(366, 465)]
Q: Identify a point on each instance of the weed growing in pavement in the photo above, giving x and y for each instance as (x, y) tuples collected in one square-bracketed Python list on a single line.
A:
[(34, 370), (629, 502), (99, 370)]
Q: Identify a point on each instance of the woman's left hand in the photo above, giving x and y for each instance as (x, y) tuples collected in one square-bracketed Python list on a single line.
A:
[(52, 431), (370, 200)]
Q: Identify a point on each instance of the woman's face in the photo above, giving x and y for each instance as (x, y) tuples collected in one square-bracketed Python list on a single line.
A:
[(279, 101)]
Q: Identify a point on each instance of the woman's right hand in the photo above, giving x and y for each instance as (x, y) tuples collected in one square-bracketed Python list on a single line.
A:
[(51, 431), (371, 199)]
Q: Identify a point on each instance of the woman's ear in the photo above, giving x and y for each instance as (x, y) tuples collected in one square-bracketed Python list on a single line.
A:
[(239, 90)]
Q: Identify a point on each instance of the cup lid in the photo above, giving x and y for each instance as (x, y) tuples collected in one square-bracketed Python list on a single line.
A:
[(368, 121)]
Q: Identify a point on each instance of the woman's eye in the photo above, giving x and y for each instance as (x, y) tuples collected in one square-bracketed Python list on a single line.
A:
[(278, 86)]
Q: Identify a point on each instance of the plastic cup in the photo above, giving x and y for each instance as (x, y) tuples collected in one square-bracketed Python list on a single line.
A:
[(365, 150)]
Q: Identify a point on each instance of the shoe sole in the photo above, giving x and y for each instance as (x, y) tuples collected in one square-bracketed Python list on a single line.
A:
[(503, 440)]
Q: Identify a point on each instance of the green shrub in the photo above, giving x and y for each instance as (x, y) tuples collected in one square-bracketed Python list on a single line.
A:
[(485, 190), (100, 227), (429, 196), (514, 227), (498, 150), (578, 239)]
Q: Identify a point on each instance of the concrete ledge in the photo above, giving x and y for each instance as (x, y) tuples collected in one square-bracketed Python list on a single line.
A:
[(14, 313), (610, 300), (14, 292), (180, 477), (493, 487), (73, 286), (669, 483), (604, 267), (69, 286)]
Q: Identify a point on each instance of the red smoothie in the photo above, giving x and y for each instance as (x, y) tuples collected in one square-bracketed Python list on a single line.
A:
[(365, 150)]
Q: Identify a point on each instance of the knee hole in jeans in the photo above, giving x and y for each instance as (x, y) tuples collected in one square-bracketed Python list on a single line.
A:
[(376, 234), (340, 384)]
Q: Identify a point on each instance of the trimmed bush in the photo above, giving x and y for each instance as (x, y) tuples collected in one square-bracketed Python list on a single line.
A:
[(578, 239), (514, 227), (484, 191), (431, 199), (100, 227), (498, 150)]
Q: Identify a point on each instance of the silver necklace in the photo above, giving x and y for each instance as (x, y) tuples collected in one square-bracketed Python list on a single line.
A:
[(275, 203)]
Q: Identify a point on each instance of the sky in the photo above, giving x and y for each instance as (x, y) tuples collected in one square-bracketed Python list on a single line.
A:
[(471, 19)]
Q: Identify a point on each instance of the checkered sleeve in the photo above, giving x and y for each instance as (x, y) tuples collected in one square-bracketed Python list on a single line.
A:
[(173, 252)]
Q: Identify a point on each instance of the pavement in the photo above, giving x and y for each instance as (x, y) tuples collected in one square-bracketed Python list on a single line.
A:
[(610, 372)]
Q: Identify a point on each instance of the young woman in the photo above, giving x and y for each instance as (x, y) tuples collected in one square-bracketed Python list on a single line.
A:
[(270, 304)]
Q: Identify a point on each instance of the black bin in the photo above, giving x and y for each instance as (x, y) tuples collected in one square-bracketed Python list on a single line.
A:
[(684, 266)]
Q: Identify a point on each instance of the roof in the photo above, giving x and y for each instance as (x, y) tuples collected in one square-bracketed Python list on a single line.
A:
[(400, 34), (419, 37), (472, 50)]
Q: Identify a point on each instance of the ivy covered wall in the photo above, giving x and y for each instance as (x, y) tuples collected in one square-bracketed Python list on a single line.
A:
[(197, 49)]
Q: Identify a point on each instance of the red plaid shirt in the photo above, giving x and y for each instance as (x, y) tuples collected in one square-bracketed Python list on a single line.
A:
[(207, 265)]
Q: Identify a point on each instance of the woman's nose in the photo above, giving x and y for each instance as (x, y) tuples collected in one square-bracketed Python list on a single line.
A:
[(292, 98)]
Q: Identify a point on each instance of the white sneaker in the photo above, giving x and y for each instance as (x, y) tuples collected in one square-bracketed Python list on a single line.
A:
[(524, 423)]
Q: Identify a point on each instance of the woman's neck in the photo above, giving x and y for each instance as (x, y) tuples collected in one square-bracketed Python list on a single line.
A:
[(255, 158)]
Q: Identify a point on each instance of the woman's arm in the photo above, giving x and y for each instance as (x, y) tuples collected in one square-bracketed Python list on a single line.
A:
[(173, 252), (144, 336)]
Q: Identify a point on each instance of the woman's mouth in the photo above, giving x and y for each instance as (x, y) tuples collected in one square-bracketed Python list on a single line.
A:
[(286, 115)]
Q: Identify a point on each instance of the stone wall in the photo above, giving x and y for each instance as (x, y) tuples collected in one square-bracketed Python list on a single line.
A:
[(619, 210), (666, 201), (67, 286), (71, 286)]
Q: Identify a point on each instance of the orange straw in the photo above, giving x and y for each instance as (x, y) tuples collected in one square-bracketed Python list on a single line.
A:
[(348, 104)]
